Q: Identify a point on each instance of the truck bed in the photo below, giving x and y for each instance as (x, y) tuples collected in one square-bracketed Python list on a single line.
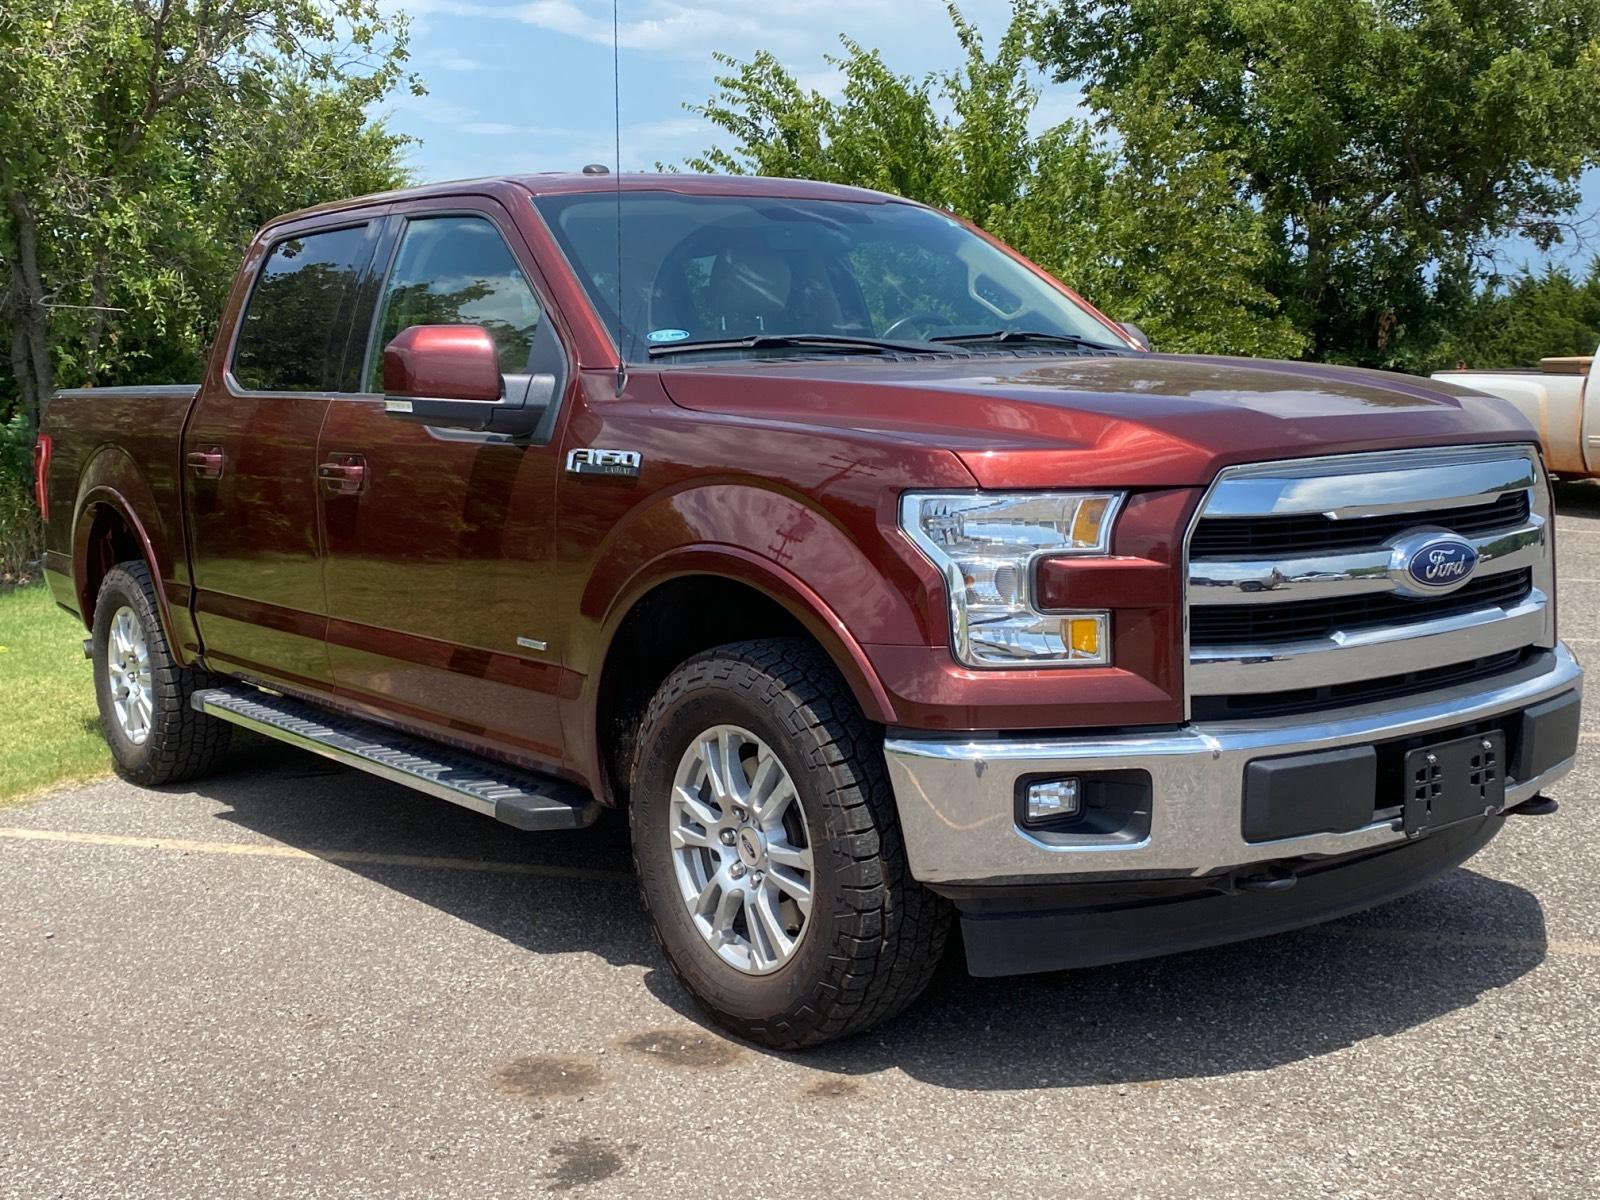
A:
[(118, 441), (1551, 397)]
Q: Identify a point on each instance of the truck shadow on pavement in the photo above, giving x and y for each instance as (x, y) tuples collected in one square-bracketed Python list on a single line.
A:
[(1245, 1007), (1577, 497)]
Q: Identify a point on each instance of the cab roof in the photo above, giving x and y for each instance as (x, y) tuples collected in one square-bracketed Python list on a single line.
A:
[(566, 183)]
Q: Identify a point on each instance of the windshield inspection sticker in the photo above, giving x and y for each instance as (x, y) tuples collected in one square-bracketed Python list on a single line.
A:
[(667, 335)]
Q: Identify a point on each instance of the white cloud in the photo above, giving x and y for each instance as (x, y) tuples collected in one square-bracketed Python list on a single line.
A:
[(564, 48), (559, 16), (459, 118), (449, 8), (433, 109), (452, 61), (671, 128), (804, 29), (826, 80), (1057, 104), (800, 31), (500, 128), (670, 28)]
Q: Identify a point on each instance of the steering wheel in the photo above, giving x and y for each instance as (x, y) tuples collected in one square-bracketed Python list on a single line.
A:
[(922, 317)]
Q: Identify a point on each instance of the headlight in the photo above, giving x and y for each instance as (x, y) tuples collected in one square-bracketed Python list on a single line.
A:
[(986, 544)]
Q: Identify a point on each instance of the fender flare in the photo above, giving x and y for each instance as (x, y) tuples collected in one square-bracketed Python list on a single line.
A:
[(783, 587), (90, 501)]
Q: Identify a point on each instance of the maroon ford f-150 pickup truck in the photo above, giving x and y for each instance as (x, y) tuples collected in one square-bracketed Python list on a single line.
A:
[(879, 578)]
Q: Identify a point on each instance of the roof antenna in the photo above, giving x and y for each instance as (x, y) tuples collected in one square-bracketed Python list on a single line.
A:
[(616, 116)]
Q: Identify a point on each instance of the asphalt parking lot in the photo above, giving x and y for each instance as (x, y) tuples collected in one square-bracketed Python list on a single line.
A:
[(297, 981)]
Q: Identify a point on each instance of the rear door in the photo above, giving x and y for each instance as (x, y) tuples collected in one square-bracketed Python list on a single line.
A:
[(440, 582), (249, 454)]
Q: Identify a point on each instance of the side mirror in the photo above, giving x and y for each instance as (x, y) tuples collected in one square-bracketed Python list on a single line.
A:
[(1137, 334), (449, 376)]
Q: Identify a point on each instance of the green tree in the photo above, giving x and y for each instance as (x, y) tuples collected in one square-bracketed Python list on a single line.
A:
[(1150, 225), (1529, 318), (156, 135), (1387, 143)]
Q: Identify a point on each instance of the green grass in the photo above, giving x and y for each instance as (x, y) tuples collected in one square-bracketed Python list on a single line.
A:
[(49, 731)]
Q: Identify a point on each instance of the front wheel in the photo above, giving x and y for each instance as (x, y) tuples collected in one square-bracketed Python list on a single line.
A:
[(769, 853)]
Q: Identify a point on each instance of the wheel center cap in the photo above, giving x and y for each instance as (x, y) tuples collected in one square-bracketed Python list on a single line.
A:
[(751, 848)]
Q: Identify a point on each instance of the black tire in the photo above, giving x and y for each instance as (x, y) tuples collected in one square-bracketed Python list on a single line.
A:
[(875, 936), (181, 743)]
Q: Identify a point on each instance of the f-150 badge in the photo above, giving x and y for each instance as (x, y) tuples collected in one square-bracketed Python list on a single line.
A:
[(591, 460)]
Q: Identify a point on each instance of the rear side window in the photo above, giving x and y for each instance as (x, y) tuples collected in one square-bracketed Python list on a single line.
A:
[(457, 271), (293, 334)]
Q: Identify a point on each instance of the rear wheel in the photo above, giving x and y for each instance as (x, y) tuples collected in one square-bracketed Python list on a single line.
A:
[(143, 694), (768, 849)]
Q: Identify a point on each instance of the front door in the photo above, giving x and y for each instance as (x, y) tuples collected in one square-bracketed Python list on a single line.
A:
[(438, 569), (249, 459)]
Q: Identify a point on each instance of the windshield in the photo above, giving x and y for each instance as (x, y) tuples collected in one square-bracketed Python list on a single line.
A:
[(722, 268)]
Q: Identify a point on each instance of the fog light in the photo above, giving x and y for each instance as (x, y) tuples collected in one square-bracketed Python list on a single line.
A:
[(1051, 799)]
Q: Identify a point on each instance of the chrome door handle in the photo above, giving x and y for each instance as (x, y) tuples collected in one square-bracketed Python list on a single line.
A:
[(344, 476), (207, 463)]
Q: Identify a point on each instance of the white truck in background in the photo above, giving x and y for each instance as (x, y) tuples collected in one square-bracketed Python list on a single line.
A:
[(1562, 400)]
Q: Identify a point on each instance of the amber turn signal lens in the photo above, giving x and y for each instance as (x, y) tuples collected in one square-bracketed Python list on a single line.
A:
[(1086, 526), (1083, 634)]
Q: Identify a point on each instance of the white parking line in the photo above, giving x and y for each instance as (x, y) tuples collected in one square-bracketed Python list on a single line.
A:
[(254, 850)]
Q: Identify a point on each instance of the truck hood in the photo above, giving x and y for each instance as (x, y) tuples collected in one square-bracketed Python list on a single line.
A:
[(1155, 420)]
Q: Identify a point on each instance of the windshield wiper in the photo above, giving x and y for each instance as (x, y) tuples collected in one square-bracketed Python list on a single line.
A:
[(837, 342), (1015, 336)]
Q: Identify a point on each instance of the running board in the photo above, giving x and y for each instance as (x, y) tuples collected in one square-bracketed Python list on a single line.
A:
[(517, 797)]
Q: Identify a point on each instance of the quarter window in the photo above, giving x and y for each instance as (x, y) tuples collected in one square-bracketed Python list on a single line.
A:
[(457, 271), (292, 338)]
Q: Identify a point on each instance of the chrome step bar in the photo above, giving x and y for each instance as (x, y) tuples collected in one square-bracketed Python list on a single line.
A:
[(517, 797)]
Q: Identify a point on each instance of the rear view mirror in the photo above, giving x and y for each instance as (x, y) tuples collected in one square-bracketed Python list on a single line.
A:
[(449, 376), (1137, 334)]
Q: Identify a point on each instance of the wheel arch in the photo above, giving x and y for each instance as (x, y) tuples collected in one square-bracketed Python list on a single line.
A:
[(687, 601), (107, 531), (118, 516)]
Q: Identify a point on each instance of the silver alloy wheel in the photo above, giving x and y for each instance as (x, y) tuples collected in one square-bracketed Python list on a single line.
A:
[(128, 675), (740, 849)]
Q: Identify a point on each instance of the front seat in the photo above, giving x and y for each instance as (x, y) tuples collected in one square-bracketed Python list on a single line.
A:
[(750, 290)]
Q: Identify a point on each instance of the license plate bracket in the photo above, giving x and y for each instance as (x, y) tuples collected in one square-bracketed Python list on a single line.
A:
[(1454, 781)]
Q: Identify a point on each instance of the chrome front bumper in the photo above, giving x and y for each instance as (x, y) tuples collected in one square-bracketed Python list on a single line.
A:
[(957, 797)]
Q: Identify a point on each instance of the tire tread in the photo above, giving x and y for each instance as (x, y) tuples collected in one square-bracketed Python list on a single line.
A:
[(185, 744), (891, 936)]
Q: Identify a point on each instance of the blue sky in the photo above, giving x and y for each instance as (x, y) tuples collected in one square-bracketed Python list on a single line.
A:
[(516, 87)]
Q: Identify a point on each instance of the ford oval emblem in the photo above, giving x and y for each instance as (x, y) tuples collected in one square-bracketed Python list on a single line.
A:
[(1442, 563)]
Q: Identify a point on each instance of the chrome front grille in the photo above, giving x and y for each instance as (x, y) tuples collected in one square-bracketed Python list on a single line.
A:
[(1330, 616), (1266, 537), (1295, 580)]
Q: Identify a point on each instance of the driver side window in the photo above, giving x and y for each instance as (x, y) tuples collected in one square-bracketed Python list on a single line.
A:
[(457, 271)]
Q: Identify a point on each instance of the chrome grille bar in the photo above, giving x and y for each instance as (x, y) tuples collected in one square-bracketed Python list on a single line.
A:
[(1424, 484), (1395, 481), (1285, 580)]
